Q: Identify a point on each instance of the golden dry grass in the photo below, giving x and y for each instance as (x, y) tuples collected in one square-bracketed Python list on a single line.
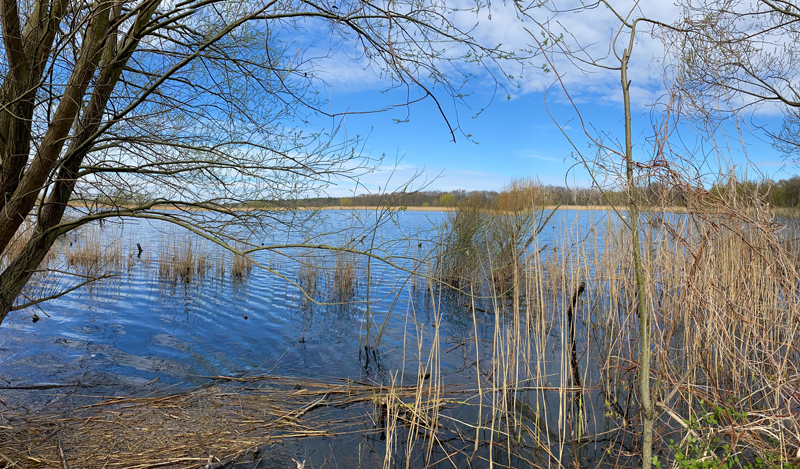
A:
[(241, 266), (342, 280), (95, 251), (181, 259), (309, 276)]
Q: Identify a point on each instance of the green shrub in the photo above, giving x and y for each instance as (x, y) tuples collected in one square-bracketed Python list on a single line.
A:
[(447, 200)]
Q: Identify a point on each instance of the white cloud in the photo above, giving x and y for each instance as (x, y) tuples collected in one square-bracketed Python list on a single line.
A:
[(343, 68), (589, 33), (347, 75)]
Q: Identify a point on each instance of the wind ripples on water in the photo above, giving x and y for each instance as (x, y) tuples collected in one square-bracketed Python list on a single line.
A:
[(139, 326)]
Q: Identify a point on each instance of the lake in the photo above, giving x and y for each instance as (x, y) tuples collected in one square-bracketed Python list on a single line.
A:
[(131, 329), (152, 329)]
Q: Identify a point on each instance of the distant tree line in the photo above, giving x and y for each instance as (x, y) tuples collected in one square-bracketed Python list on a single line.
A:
[(781, 193), (552, 195)]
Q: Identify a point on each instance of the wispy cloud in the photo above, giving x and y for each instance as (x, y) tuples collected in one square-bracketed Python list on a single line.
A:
[(388, 179), (529, 153)]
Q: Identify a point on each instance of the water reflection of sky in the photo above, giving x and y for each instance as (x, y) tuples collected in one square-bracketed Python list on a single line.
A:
[(135, 328)]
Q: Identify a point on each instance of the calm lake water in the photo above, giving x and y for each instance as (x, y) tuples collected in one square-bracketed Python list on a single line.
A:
[(126, 331)]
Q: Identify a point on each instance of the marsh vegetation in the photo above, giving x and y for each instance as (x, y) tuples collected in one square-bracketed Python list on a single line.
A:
[(504, 335), (167, 301)]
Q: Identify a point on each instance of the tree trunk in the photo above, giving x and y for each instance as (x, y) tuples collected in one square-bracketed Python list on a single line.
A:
[(17, 274), (646, 405)]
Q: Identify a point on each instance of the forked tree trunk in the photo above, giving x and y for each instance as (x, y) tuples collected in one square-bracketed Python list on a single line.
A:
[(101, 62), (17, 274)]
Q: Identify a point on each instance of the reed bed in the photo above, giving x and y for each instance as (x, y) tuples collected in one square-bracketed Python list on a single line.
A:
[(485, 246), (550, 364), (459, 260), (240, 266), (182, 259), (342, 278), (18, 242), (88, 255), (95, 251), (309, 277), (562, 364), (727, 324)]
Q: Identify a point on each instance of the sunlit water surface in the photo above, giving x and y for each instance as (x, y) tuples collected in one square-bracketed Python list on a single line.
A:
[(127, 331)]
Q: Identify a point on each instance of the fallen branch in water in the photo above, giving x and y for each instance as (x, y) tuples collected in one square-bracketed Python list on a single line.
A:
[(48, 386)]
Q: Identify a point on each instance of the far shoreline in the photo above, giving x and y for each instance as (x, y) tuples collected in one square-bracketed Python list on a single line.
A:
[(778, 211), (603, 208), (339, 207)]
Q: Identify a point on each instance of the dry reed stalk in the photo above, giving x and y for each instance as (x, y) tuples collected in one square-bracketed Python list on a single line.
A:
[(308, 276), (389, 414), (17, 243), (342, 278), (240, 265), (500, 258), (725, 322), (550, 288), (220, 267), (180, 258), (420, 414), (741, 326), (44, 282), (88, 255), (96, 250)]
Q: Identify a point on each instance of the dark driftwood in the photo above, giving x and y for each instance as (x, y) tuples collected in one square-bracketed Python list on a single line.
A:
[(576, 376), (47, 386)]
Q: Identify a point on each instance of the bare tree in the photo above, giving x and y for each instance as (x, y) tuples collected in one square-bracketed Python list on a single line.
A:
[(616, 58), (154, 109), (738, 54), (630, 178)]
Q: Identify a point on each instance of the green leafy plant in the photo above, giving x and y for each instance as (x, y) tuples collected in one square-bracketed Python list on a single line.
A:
[(705, 445)]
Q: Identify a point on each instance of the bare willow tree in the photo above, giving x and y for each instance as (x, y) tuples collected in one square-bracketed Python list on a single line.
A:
[(740, 54), (184, 111)]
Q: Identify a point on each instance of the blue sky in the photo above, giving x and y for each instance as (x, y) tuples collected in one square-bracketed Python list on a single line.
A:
[(517, 137)]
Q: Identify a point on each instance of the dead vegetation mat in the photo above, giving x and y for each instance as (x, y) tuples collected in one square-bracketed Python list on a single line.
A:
[(214, 427)]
